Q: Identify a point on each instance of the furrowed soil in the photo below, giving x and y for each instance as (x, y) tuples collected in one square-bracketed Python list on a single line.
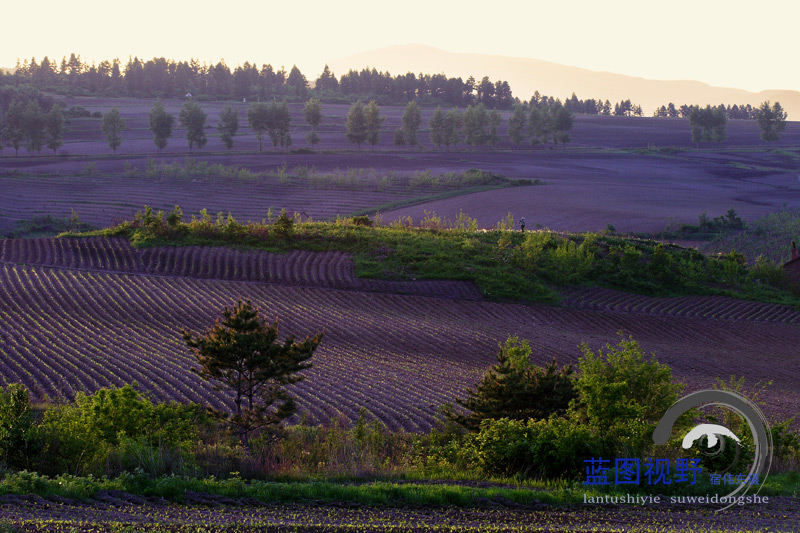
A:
[(116, 510)]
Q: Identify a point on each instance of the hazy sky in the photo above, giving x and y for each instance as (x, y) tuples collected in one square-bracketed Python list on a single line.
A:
[(743, 44)]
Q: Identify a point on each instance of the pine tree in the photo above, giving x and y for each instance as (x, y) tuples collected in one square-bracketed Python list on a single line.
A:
[(516, 388), (241, 355)]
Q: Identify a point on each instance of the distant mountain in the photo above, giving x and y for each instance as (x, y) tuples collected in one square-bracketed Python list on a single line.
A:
[(528, 75)]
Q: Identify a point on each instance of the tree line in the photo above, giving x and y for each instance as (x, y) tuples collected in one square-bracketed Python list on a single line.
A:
[(163, 78)]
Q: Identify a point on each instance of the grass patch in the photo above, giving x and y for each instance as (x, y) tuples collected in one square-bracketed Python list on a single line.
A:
[(504, 264)]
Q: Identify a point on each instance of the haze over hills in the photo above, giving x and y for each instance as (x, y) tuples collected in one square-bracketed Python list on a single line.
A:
[(528, 75)]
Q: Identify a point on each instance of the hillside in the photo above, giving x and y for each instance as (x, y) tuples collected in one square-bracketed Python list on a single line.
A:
[(527, 75)]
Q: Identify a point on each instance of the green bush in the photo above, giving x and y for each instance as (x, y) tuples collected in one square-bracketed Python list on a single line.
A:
[(552, 448), (115, 428), (17, 428)]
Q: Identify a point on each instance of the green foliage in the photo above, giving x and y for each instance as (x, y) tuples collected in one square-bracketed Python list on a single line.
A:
[(356, 124), (548, 448), (708, 124), (160, 124), (517, 389), (193, 118), (480, 125), (241, 355), (54, 128), (771, 121), (373, 122), (411, 121), (228, 125), (622, 393), (33, 127), (437, 127), (81, 438), (258, 120), (279, 122), (516, 124), (312, 112), (17, 429), (112, 127)]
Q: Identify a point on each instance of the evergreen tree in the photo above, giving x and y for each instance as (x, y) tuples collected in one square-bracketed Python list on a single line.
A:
[(708, 124), (112, 127), (771, 121), (538, 126), (516, 124), (356, 124), (412, 119), (193, 118), (562, 122), (241, 355), (373, 121), (160, 124), (297, 81), (516, 388), (228, 126)]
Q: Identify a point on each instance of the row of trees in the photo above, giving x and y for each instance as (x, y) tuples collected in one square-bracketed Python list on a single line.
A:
[(735, 112), (28, 124), (164, 78), (708, 124)]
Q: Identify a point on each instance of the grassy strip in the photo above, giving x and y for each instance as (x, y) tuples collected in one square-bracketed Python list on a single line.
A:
[(424, 199), (383, 493), (505, 265)]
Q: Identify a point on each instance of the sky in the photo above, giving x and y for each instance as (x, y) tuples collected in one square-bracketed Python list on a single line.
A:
[(742, 44)]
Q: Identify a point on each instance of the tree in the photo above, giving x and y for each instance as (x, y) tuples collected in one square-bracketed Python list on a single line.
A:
[(412, 119), (279, 122), (258, 119), (356, 124), (160, 124), (312, 112), (516, 388), (516, 124), (538, 126), (453, 124), (54, 128), (771, 121), (15, 124), (708, 124), (476, 121), (33, 123), (373, 121), (562, 122), (112, 127), (297, 81), (437, 127), (241, 354), (193, 118), (228, 126)]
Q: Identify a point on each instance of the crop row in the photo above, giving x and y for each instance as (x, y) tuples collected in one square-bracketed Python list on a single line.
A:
[(717, 307), (319, 269), (398, 356)]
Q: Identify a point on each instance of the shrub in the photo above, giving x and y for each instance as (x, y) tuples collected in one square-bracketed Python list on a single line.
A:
[(552, 448), (517, 389), (17, 429)]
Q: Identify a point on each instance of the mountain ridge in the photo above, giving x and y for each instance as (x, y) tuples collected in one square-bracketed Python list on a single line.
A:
[(526, 75)]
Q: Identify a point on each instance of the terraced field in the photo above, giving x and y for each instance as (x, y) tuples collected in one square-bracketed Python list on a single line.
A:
[(86, 313)]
